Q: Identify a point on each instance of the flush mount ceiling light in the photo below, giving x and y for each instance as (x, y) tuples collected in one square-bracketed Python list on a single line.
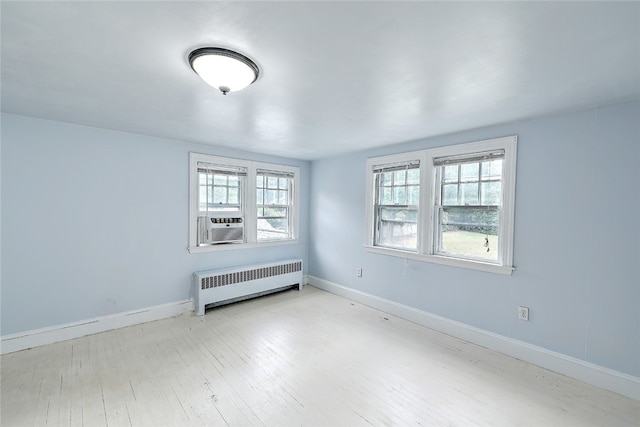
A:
[(223, 69)]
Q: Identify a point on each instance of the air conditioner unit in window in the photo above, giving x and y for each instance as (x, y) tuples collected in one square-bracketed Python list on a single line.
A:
[(225, 227)]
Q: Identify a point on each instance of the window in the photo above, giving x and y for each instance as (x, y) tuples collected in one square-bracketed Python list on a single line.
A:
[(220, 215), (449, 205), (274, 199), (228, 213), (467, 206), (397, 196)]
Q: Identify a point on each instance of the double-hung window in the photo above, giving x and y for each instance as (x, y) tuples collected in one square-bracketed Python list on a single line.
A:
[(397, 196), (467, 208), (220, 197), (449, 205), (237, 203), (274, 200)]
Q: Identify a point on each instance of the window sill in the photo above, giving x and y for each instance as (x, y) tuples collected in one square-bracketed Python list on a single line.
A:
[(233, 246), (437, 259)]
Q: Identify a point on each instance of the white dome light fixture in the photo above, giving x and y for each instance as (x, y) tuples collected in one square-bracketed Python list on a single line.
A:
[(224, 69)]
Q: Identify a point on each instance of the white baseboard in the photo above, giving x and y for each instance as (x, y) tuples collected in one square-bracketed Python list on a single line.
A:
[(599, 376), (67, 331)]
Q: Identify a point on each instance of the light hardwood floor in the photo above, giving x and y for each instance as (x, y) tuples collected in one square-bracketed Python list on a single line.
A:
[(294, 358)]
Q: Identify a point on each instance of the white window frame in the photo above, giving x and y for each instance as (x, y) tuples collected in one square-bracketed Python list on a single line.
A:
[(248, 202), (427, 211)]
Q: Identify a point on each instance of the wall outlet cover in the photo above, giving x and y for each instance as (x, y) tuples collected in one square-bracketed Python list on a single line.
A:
[(523, 313)]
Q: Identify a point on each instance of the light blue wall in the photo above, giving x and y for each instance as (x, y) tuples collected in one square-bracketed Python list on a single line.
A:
[(577, 251), (95, 222)]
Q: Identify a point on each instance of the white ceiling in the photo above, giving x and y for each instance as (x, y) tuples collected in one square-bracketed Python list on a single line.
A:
[(335, 76)]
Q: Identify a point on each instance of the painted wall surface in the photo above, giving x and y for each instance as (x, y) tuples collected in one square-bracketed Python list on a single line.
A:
[(577, 251), (95, 222)]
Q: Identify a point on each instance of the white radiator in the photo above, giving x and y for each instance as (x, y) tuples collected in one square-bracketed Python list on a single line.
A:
[(238, 283)]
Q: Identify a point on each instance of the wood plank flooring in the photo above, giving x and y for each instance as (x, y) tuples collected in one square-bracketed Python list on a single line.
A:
[(290, 359)]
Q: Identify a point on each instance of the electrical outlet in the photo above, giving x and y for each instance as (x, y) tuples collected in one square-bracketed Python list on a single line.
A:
[(359, 272), (523, 313)]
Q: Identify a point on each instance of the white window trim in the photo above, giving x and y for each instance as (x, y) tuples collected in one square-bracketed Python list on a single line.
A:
[(426, 212), (250, 206)]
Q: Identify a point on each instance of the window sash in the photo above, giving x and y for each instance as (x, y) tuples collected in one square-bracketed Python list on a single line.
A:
[(473, 238), (207, 191), (485, 186)]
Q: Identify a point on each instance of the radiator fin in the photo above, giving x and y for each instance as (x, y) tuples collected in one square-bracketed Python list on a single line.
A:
[(226, 279)]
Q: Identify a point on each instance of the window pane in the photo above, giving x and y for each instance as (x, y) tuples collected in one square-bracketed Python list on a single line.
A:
[(413, 195), (233, 196), (492, 169), (283, 197), (399, 214), (413, 176), (279, 224), (401, 236), (220, 195), (385, 178), (259, 181), (469, 194), (202, 198), (399, 196), (399, 177), (272, 197), (219, 180), (233, 180), (270, 228), (398, 228), (275, 212), (469, 171), (385, 196), (451, 173), (469, 232), (283, 183), (491, 194), (202, 178), (272, 182), (259, 195), (450, 194)]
